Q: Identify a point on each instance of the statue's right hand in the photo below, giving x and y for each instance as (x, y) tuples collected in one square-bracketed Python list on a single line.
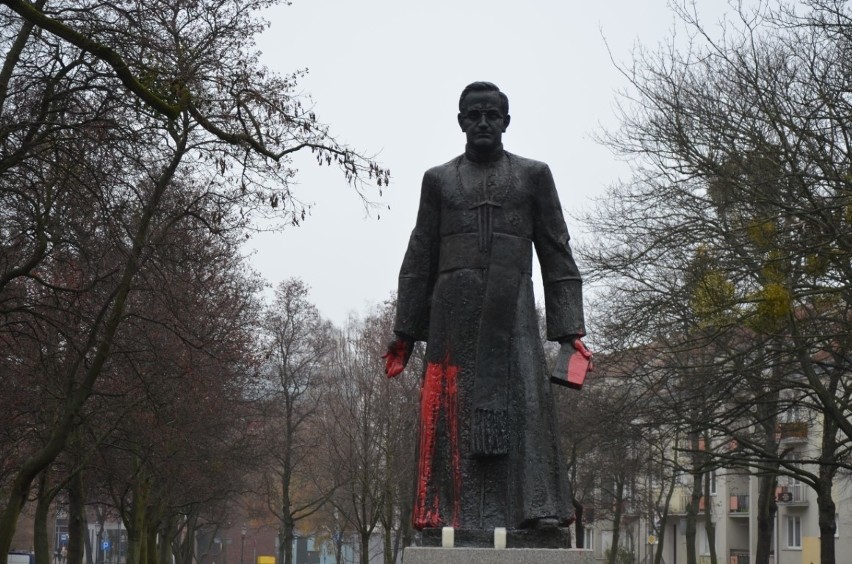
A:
[(399, 351)]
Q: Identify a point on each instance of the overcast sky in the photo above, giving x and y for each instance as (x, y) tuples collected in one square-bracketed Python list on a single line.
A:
[(386, 74)]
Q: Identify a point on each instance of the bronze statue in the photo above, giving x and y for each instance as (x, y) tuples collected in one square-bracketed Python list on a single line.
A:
[(489, 453)]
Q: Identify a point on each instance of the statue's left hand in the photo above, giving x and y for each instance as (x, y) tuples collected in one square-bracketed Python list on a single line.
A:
[(574, 342), (399, 351)]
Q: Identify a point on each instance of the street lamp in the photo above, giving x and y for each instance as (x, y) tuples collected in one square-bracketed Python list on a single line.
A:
[(242, 542)]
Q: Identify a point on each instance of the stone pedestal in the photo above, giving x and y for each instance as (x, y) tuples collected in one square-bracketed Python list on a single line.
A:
[(515, 538), (460, 555)]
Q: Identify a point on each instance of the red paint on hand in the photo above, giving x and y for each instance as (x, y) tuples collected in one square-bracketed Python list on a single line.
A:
[(397, 357)]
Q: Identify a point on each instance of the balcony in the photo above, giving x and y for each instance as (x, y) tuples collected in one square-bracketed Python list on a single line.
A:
[(738, 505), (792, 495), (680, 502), (677, 506), (792, 432)]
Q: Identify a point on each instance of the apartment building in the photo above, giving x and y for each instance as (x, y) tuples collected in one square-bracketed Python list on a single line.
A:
[(732, 499)]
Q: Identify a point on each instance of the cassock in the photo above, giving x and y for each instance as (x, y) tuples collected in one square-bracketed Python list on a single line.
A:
[(488, 445)]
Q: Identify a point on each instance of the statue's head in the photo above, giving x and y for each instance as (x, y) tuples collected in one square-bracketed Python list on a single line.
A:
[(483, 115)]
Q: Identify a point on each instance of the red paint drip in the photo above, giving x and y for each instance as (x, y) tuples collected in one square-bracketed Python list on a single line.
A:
[(439, 393), (453, 427), (430, 403)]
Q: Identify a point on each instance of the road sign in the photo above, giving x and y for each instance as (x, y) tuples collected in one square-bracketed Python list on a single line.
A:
[(652, 539), (105, 545)]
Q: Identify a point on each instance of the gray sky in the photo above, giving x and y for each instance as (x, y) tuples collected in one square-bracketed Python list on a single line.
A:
[(386, 74)]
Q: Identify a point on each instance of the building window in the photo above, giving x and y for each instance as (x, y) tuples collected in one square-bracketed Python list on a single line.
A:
[(703, 541), (606, 542), (589, 538), (794, 531), (711, 477)]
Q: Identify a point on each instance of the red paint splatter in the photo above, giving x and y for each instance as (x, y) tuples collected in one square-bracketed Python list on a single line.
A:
[(397, 356), (430, 399), (453, 428), (439, 394)]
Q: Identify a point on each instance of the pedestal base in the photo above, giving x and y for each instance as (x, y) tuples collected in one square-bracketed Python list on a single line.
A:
[(433, 555), (515, 538)]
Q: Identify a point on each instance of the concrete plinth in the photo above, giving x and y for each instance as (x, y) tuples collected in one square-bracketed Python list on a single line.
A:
[(515, 538), (434, 555)]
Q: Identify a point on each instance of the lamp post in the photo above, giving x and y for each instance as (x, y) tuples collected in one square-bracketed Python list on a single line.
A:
[(242, 543)]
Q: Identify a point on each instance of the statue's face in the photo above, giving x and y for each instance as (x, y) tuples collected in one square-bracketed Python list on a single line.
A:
[(482, 120)]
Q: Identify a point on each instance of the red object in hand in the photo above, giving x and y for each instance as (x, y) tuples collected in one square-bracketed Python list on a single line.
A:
[(397, 357), (571, 368), (578, 365)]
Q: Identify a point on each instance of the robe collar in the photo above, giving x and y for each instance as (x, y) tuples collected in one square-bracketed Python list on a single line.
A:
[(491, 157)]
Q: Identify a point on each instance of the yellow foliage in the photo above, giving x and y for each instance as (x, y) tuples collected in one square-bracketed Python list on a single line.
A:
[(774, 304), (762, 233), (713, 295), (816, 265)]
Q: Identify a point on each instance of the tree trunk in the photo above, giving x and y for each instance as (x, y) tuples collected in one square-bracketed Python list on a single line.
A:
[(825, 501), (41, 538), (766, 511), (709, 525), (827, 527), (76, 513), (579, 524), (135, 522), (365, 548), (151, 551), (616, 519), (691, 519), (286, 538), (661, 530), (387, 548)]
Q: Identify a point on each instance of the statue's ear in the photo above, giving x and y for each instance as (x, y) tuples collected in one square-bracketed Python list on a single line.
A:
[(460, 119), (506, 121)]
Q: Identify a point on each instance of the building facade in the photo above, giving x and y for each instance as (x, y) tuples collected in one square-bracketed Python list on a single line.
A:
[(732, 499)]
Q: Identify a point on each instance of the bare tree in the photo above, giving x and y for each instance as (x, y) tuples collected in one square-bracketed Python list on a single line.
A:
[(370, 427), (297, 344), (121, 123), (732, 240)]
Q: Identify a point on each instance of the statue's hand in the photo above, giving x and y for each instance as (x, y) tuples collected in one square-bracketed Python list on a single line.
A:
[(399, 351), (574, 343), (580, 347)]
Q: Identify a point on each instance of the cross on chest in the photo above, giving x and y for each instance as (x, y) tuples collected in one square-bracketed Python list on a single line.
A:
[(495, 181), (486, 225)]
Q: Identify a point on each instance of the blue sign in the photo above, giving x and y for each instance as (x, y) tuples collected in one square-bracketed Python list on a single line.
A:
[(105, 545)]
